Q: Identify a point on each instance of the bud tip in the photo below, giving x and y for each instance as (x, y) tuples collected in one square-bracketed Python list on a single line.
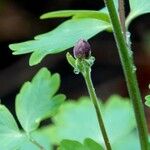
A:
[(82, 49)]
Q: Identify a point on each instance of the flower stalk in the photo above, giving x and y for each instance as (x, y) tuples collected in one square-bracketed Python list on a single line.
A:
[(91, 90), (82, 63)]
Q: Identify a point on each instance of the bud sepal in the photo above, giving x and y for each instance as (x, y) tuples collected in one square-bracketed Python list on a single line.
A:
[(80, 65)]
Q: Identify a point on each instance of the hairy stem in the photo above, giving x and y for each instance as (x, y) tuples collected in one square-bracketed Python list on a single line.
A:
[(91, 90), (130, 75)]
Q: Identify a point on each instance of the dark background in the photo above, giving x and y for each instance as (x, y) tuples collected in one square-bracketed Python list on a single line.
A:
[(19, 21)]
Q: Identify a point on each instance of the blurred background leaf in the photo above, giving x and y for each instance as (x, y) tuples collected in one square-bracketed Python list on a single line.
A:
[(88, 144), (77, 121)]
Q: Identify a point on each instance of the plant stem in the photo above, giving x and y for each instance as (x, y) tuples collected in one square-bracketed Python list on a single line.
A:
[(91, 90), (130, 75)]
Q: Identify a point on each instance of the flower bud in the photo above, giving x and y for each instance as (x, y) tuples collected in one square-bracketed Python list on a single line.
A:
[(82, 49)]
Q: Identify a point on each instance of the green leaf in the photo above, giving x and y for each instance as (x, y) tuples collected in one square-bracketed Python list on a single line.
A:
[(37, 100), (72, 122), (147, 100), (27, 104), (137, 8), (60, 39), (88, 144), (77, 14), (104, 10), (118, 112), (13, 139), (10, 136), (128, 142), (70, 145), (40, 138)]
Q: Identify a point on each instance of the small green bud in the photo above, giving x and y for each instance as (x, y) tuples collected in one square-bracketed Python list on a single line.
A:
[(82, 49)]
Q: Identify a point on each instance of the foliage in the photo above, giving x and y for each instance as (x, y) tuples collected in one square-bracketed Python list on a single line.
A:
[(83, 24), (147, 100), (72, 122), (74, 126), (138, 8), (35, 102), (61, 38), (88, 144), (76, 14)]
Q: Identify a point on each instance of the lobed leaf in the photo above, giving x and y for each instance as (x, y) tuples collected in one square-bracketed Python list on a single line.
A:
[(77, 14), (137, 8), (128, 142), (59, 39), (37, 100), (40, 138), (72, 122), (70, 145), (119, 117), (88, 144), (84, 24), (11, 138)]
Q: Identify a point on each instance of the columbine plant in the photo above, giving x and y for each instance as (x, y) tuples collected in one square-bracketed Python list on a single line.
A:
[(82, 64), (75, 126)]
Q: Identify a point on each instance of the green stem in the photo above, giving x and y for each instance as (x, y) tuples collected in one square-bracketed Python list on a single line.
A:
[(91, 90), (130, 75)]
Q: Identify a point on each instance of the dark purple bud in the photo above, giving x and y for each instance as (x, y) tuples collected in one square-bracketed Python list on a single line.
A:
[(82, 49)]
